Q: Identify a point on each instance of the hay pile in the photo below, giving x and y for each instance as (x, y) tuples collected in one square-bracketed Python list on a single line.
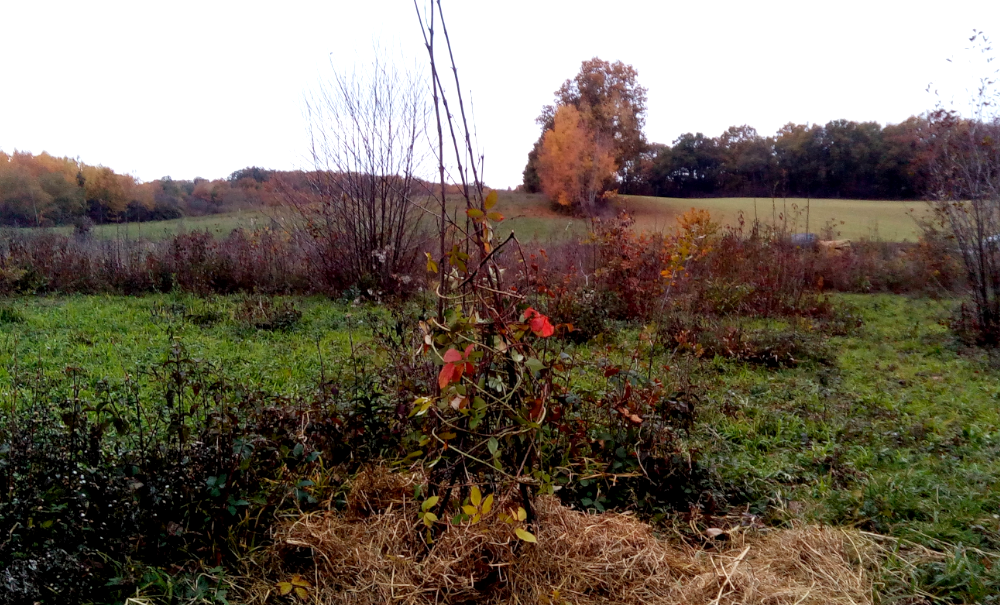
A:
[(374, 553)]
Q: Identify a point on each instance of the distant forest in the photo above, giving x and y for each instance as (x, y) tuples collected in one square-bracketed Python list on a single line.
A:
[(843, 159), (43, 190)]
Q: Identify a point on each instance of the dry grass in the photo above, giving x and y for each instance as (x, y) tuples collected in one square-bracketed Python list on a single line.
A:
[(374, 553)]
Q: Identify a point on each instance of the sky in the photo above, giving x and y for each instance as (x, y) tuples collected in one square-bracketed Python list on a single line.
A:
[(191, 89)]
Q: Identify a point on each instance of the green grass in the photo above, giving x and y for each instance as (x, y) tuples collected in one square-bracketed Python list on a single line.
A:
[(531, 216), (898, 434), (901, 435), (218, 224), (848, 219), (109, 337)]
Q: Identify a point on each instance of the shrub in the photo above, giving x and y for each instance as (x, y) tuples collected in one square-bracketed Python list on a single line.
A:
[(93, 476), (771, 347)]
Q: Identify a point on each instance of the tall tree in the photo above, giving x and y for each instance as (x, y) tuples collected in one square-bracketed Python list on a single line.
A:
[(613, 105), (573, 165)]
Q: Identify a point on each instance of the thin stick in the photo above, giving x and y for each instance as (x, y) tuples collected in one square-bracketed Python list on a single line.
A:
[(729, 576)]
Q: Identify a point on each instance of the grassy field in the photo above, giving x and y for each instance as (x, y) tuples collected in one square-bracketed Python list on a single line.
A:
[(532, 217), (898, 433), (219, 224), (109, 337), (849, 219), (892, 428)]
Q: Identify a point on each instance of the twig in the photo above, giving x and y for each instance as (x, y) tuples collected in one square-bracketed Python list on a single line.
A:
[(729, 576), (486, 259)]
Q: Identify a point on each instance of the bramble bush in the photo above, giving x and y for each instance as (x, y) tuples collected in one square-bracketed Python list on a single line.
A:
[(98, 484)]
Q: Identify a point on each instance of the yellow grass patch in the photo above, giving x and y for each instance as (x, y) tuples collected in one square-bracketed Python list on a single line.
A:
[(374, 552)]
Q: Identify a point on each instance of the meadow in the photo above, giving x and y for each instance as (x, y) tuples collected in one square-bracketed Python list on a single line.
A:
[(217, 224), (532, 217), (174, 414), (891, 426)]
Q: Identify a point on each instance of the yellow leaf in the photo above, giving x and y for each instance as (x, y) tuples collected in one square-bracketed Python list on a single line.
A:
[(476, 497), (298, 580), (429, 503), (421, 405), (469, 509), (496, 217), (521, 513), (301, 593), (525, 535), (488, 504), (284, 588), (429, 519), (491, 200), (474, 213), (475, 519), (431, 265)]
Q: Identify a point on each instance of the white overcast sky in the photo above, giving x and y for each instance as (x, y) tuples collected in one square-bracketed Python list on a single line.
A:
[(203, 88)]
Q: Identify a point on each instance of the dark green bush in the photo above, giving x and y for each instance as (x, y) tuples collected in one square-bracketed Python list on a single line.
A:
[(94, 475)]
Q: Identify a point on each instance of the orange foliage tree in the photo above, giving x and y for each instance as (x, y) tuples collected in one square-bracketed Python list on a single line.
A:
[(573, 166)]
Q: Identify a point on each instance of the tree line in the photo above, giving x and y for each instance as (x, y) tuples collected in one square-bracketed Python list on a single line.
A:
[(592, 142), (44, 190)]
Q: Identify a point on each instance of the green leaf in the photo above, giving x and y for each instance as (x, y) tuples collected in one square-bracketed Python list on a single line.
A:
[(534, 365), (525, 535), (474, 213), (493, 445)]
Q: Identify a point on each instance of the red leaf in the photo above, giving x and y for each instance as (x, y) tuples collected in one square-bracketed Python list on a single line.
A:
[(468, 350), (541, 327), (445, 377), (539, 323), (452, 355), (536, 410)]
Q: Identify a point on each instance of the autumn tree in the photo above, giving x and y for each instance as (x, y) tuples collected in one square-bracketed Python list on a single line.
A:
[(574, 166), (38, 190), (612, 104)]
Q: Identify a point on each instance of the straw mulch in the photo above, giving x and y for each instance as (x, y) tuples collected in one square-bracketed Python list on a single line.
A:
[(375, 553)]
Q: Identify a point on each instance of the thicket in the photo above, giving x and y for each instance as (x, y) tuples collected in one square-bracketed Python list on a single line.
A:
[(104, 491)]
